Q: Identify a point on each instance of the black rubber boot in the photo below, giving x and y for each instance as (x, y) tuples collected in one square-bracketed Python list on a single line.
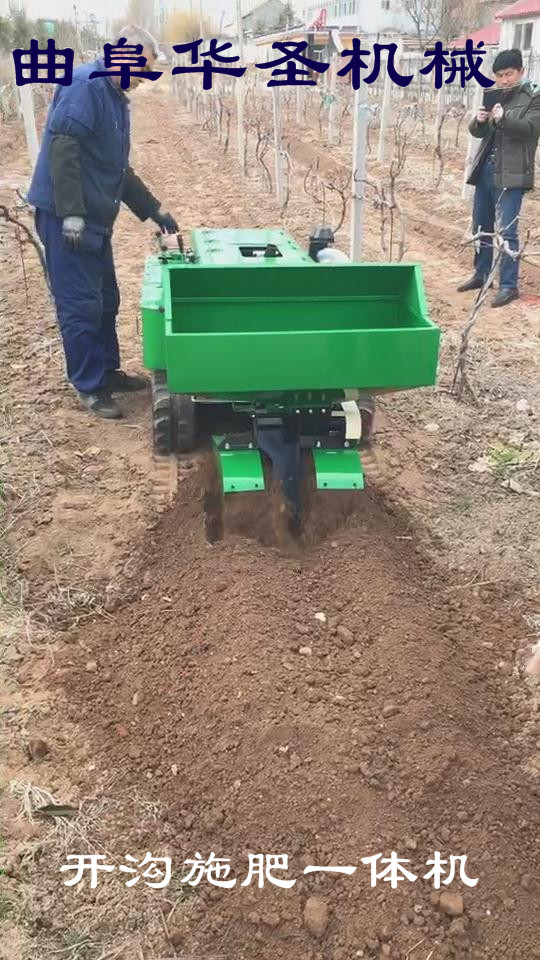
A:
[(475, 283), (119, 382), (505, 297), (101, 404)]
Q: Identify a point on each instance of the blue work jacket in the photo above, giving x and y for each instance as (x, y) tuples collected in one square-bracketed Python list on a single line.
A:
[(96, 114)]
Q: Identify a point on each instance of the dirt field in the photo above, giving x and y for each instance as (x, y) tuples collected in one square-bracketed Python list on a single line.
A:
[(362, 696)]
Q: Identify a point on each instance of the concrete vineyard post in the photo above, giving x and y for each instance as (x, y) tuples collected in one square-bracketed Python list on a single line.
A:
[(438, 114), (27, 107), (240, 91), (277, 146), (299, 105), (358, 170), (360, 111), (385, 111), (332, 107)]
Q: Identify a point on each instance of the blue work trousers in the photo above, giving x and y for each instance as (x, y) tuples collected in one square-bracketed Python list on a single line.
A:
[(87, 299), (490, 201)]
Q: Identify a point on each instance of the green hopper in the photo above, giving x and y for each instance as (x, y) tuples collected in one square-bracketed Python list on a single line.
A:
[(274, 354)]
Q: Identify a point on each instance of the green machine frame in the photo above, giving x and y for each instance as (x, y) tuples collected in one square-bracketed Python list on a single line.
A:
[(296, 349)]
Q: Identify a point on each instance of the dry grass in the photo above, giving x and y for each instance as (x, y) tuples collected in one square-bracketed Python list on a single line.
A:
[(79, 830)]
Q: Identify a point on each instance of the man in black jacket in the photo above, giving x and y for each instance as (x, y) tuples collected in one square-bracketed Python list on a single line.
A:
[(503, 170), (82, 175)]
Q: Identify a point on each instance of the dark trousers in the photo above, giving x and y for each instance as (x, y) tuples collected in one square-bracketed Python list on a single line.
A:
[(489, 201), (87, 300)]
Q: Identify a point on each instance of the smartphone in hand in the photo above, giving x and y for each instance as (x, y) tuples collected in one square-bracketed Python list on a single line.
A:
[(496, 95)]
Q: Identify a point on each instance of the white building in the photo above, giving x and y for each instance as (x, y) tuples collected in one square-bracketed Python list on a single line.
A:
[(8, 7), (258, 18), (373, 16), (521, 26)]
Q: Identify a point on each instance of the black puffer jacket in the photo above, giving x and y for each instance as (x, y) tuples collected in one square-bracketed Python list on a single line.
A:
[(516, 140)]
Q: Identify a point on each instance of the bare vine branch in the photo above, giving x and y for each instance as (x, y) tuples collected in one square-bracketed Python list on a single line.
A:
[(20, 227), (461, 382)]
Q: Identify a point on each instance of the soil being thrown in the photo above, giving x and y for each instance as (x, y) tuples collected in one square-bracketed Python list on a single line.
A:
[(266, 516), (330, 705)]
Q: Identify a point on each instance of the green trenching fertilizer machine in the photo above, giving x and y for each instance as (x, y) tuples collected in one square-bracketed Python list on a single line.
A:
[(274, 354)]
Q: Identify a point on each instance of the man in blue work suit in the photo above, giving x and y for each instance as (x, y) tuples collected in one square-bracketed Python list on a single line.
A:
[(82, 175)]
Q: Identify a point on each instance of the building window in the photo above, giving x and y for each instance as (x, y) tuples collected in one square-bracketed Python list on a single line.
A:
[(385, 4), (523, 35)]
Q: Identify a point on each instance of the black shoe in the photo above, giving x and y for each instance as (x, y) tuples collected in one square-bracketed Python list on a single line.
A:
[(101, 404), (505, 296), (119, 382), (475, 283)]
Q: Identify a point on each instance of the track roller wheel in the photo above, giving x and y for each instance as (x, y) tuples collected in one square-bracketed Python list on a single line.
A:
[(161, 415), (184, 423), (174, 427)]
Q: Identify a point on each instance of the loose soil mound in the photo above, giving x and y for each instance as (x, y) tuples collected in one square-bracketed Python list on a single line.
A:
[(263, 729)]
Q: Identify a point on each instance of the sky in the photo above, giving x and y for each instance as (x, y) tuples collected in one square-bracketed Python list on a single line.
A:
[(63, 9)]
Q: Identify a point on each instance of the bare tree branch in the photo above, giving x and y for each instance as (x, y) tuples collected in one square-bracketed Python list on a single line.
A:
[(501, 248), (9, 217)]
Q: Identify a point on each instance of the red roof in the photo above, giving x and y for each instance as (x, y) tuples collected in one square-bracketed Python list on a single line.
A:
[(489, 35), (523, 8)]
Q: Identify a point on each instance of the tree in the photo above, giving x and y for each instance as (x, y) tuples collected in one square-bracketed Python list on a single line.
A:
[(21, 30), (455, 16), (464, 17), (440, 19), (6, 35), (115, 29), (142, 12), (283, 21), (425, 16), (286, 18), (185, 26), (18, 31)]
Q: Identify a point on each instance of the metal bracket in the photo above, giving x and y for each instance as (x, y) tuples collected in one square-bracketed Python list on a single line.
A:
[(281, 445), (338, 470), (353, 420), (241, 470)]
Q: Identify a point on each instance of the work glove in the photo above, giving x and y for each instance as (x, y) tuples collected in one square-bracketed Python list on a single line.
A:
[(166, 222), (72, 231)]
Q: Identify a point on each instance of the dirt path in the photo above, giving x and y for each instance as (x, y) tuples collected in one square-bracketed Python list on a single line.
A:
[(205, 708)]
